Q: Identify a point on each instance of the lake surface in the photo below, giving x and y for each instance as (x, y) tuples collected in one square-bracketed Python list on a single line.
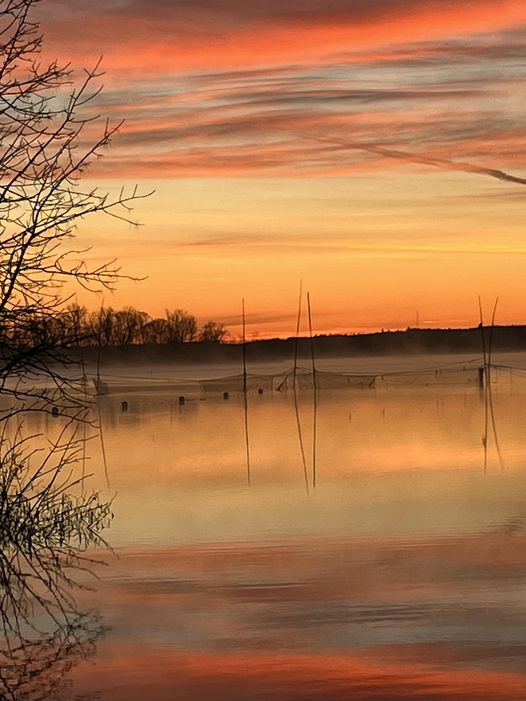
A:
[(392, 568)]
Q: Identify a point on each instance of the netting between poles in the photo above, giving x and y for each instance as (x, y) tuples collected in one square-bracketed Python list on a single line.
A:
[(307, 379), (466, 375), (299, 379), (236, 383)]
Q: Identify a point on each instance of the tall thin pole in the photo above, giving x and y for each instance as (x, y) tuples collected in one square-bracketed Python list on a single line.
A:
[(99, 344), (314, 395), (481, 326), (485, 388), (490, 340), (296, 344), (313, 360), (245, 392)]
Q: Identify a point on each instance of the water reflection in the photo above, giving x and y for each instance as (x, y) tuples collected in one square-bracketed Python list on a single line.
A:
[(392, 462), (37, 669), (437, 618), (47, 525), (401, 576)]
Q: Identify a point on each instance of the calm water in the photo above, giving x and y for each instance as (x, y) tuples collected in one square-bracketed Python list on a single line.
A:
[(401, 575)]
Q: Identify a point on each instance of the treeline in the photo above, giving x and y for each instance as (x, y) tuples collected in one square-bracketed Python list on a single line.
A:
[(75, 326)]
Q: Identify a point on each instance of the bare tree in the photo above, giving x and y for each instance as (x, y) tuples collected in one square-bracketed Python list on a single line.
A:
[(44, 126), (182, 326), (47, 519), (212, 332), (129, 325), (103, 326), (76, 323), (156, 331)]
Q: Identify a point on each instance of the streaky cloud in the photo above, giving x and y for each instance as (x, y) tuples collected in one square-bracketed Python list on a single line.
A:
[(408, 157)]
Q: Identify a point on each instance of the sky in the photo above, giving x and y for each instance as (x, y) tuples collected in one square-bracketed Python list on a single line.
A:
[(373, 149)]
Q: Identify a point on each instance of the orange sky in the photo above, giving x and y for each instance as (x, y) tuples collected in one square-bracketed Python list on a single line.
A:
[(274, 136)]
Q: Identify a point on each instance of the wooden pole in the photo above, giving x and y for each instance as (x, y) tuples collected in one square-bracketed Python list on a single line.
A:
[(99, 336), (296, 344), (245, 393), (485, 388), (490, 340), (483, 338)]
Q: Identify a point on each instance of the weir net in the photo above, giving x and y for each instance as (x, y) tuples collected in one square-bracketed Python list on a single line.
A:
[(468, 374)]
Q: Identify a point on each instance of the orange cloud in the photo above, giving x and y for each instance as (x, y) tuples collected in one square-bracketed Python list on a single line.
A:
[(163, 37)]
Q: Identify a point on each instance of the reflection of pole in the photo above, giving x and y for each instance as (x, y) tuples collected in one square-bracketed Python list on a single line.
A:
[(485, 379), (489, 389), (295, 392), (245, 392), (99, 391), (300, 437), (85, 391), (314, 395), (102, 446)]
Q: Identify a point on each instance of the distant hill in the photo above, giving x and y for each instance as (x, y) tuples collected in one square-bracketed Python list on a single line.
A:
[(411, 341)]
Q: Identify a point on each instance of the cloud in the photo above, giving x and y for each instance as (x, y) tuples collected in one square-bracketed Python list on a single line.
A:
[(442, 163), (162, 36), (220, 88)]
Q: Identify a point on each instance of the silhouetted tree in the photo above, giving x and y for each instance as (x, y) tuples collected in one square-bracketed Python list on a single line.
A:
[(75, 327), (76, 324), (182, 326), (128, 326), (212, 331), (156, 331)]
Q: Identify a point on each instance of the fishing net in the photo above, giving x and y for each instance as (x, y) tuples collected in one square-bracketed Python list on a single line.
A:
[(467, 375), (299, 379), (306, 379), (236, 383)]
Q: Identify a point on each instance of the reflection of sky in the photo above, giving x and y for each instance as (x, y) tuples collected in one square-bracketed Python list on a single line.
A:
[(441, 617), (400, 577), (396, 461)]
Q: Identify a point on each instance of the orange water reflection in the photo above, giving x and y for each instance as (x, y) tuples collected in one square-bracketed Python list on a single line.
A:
[(401, 576)]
